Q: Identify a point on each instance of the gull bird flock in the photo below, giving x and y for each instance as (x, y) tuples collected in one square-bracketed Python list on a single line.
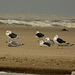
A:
[(44, 41), (48, 42), (11, 43)]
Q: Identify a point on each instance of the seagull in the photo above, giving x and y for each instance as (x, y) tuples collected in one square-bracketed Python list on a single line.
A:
[(61, 42), (39, 35), (43, 43), (13, 43), (64, 29), (49, 41), (11, 35)]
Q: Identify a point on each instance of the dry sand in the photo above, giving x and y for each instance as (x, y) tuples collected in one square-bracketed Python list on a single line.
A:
[(31, 58)]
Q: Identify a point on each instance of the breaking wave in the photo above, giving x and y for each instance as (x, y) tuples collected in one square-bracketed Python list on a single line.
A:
[(46, 23)]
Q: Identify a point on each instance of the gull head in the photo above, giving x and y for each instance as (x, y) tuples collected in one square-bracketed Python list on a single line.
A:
[(37, 32), (8, 32), (55, 38), (47, 38)]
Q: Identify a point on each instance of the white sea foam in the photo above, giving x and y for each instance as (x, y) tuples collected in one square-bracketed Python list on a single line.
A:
[(12, 73), (9, 73), (31, 23), (46, 23)]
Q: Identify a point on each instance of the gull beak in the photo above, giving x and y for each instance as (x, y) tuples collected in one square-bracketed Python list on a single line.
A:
[(6, 41)]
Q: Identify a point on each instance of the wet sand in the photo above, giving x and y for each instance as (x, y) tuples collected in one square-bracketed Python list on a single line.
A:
[(31, 58)]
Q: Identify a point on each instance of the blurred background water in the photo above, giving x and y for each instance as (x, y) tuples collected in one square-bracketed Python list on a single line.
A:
[(42, 20)]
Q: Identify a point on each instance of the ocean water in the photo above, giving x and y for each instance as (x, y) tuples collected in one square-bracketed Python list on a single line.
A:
[(41, 20)]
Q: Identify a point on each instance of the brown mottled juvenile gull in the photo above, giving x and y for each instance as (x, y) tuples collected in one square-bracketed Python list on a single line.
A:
[(13, 43)]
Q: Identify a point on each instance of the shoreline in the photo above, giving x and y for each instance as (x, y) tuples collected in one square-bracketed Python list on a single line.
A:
[(58, 65)]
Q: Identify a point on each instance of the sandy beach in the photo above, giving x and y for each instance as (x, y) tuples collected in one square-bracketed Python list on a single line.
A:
[(31, 58)]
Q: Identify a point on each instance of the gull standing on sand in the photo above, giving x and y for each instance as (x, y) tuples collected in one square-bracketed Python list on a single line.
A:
[(61, 42), (13, 43), (11, 35)]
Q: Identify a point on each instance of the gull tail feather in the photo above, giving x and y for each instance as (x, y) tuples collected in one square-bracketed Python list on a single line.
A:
[(70, 44)]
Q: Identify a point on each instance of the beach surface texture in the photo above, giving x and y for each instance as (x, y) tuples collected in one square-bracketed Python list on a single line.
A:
[(30, 57)]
